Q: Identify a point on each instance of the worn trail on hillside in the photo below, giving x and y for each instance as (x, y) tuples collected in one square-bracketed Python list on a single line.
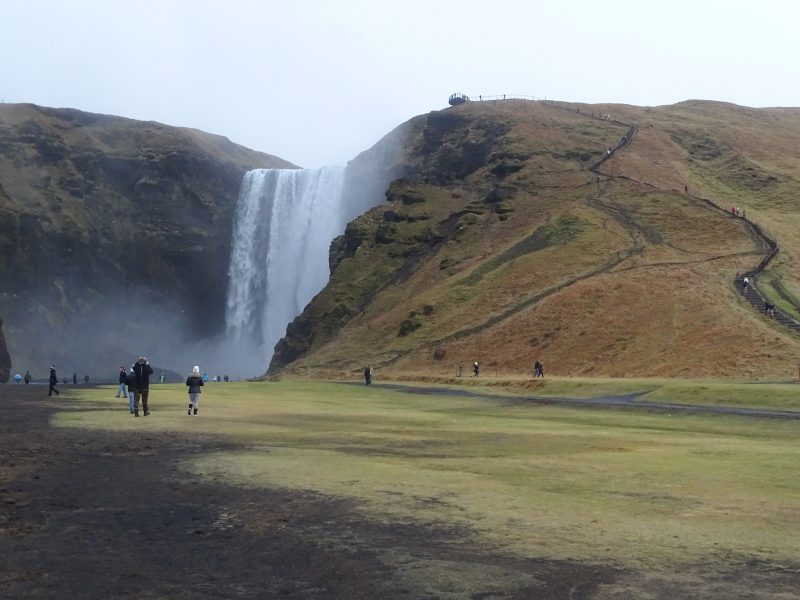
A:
[(751, 293)]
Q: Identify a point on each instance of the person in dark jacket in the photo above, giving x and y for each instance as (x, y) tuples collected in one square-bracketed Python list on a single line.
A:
[(195, 382), (143, 371), (538, 369), (75, 379), (368, 375), (123, 381), (28, 377), (53, 381)]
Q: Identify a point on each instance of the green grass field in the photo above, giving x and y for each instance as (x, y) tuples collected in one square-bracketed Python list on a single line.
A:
[(631, 488)]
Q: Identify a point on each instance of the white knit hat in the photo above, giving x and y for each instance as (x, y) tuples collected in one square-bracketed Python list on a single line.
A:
[(195, 369)]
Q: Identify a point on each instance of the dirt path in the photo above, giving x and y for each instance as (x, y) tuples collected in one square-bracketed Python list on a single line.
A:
[(86, 514), (630, 401)]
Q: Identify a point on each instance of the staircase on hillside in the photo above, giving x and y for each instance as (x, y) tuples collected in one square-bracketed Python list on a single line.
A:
[(754, 297), (751, 293)]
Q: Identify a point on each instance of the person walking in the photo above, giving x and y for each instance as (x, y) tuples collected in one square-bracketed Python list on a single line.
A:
[(123, 381), (476, 369), (368, 374), (130, 379), (538, 369), (28, 377), (53, 381), (74, 379), (143, 371), (17, 377), (460, 369), (195, 382)]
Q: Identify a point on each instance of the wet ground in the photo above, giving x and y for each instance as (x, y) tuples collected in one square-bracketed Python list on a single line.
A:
[(86, 514)]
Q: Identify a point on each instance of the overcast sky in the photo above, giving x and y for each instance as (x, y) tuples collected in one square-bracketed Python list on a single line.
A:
[(317, 81)]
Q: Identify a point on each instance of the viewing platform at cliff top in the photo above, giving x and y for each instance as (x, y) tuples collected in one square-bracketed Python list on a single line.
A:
[(457, 98)]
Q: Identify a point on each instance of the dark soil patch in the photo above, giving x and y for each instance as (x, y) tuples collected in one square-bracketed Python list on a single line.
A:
[(88, 514)]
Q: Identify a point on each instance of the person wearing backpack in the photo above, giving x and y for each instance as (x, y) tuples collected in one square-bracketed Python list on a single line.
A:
[(195, 382)]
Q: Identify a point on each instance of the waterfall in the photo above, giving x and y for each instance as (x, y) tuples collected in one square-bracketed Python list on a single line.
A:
[(285, 221)]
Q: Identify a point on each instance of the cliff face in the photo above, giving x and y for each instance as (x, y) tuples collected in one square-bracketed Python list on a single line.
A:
[(502, 244), (112, 230), (5, 358)]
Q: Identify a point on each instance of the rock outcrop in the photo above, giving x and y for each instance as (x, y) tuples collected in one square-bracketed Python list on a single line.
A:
[(5, 357)]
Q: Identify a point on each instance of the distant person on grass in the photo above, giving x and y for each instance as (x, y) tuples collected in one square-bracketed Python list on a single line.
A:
[(143, 371), (476, 369), (123, 381), (53, 381), (538, 369), (368, 374), (195, 382), (28, 377), (460, 369), (74, 379)]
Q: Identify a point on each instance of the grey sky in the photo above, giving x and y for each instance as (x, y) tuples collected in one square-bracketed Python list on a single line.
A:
[(316, 82)]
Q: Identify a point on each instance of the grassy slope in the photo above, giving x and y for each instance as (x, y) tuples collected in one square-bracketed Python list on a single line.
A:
[(639, 285), (634, 489)]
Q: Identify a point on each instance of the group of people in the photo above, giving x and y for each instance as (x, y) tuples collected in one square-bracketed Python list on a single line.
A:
[(476, 369), (19, 378), (538, 369), (137, 382), (738, 212), (135, 385)]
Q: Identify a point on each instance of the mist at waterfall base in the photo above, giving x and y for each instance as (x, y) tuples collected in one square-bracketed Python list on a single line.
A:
[(284, 222)]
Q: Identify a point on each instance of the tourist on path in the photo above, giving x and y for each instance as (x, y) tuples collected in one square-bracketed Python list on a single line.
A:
[(74, 379), (17, 377), (368, 374), (28, 377), (143, 371), (460, 369), (476, 370), (123, 380), (538, 369), (195, 382), (53, 381)]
